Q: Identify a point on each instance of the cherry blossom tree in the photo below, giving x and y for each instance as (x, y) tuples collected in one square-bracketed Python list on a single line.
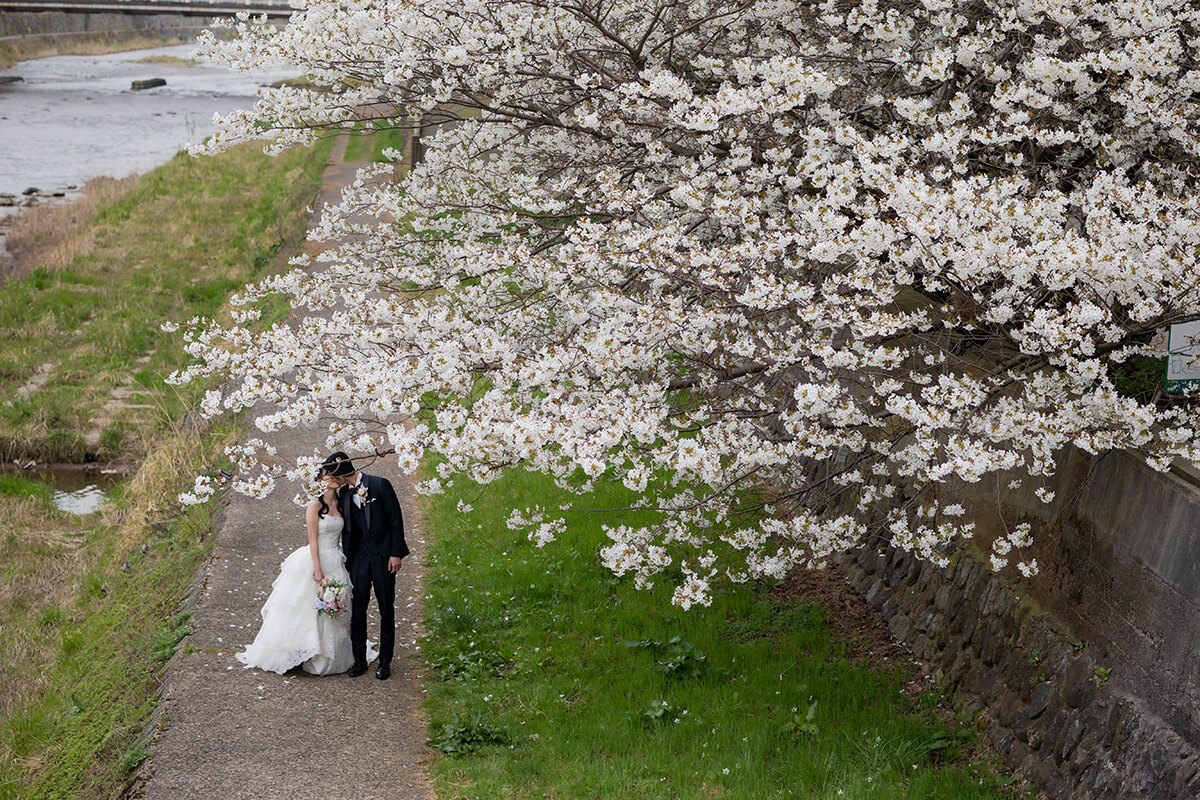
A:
[(788, 270)]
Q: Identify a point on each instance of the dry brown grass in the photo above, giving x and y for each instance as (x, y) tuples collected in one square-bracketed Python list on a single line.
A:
[(46, 559), (55, 234), (150, 494), (28, 443), (43, 560), (28, 48)]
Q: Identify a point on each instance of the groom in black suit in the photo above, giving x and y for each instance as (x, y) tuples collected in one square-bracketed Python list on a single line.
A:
[(373, 542)]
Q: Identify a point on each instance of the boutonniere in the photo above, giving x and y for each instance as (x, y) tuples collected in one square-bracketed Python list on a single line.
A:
[(362, 495)]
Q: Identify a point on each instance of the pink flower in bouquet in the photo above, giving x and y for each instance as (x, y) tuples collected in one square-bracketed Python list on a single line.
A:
[(332, 598)]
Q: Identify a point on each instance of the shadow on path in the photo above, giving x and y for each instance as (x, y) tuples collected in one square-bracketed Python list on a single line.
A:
[(231, 732)]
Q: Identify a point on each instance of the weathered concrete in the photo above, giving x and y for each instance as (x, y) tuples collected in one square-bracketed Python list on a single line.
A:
[(1085, 677), (1119, 550), (229, 732), (53, 25)]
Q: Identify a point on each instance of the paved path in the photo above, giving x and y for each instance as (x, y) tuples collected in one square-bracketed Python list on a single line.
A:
[(228, 732)]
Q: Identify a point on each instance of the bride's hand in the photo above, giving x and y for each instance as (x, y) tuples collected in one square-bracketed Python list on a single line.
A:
[(319, 577)]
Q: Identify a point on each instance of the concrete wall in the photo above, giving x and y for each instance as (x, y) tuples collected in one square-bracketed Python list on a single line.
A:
[(1036, 692), (1137, 593), (1086, 677), (51, 25), (1120, 556)]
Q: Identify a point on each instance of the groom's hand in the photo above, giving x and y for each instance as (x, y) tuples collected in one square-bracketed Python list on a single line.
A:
[(393, 565)]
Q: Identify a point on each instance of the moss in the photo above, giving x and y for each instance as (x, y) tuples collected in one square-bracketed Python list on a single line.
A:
[(1139, 378)]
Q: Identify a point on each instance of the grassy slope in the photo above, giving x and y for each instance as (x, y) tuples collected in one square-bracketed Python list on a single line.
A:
[(93, 658), (535, 643), (27, 49), (90, 607), (370, 147), (173, 246)]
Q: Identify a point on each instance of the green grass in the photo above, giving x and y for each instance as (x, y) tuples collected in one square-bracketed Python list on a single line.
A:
[(90, 608), (370, 146), (80, 734), (173, 246), (558, 680), (20, 486)]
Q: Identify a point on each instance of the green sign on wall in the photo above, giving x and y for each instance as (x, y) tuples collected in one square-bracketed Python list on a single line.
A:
[(1183, 358)]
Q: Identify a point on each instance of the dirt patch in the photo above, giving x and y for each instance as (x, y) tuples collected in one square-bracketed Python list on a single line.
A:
[(855, 621)]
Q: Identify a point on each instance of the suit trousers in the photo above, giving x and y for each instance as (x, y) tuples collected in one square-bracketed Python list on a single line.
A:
[(369, 572)]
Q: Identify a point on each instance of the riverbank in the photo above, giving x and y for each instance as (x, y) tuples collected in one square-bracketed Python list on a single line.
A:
[(29, 35), (15, 49), (51, 233), (83, 357), (90, 607), (91, 610)]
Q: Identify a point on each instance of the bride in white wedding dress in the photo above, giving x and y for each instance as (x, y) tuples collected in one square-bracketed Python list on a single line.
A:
[(292, 631)]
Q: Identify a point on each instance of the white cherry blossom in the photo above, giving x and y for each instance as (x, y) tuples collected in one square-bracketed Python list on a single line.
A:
[(790, 272)]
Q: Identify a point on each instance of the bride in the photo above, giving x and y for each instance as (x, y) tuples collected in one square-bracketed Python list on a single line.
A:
[(292, 631)]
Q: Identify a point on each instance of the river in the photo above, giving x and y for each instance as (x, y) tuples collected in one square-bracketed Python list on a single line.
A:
[(71, 118)]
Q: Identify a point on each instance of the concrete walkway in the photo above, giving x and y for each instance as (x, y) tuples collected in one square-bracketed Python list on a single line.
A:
[(230, 732)]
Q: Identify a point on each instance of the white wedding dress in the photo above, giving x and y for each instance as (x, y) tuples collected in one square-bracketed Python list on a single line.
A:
[(292, 631)]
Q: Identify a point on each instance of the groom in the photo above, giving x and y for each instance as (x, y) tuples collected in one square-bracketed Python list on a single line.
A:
[(374, 544)]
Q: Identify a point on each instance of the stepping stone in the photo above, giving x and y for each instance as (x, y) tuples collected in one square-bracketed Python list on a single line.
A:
[(35, 383)]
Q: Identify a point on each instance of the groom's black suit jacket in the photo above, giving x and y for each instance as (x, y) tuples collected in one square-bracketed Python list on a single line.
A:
[(383, 536)]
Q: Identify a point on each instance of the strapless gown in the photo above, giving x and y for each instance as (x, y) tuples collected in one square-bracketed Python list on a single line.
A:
[(292, 631)]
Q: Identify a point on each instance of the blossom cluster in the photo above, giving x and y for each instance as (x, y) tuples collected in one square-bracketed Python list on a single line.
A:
[(202, 491), (789, 271)]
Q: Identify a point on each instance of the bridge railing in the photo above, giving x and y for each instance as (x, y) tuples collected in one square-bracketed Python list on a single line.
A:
[(205, 8)]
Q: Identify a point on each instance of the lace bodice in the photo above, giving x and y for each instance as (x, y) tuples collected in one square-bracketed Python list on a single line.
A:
[(329, 529)]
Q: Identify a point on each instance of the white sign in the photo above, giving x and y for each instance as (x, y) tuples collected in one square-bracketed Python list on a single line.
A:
[(1183, 357)]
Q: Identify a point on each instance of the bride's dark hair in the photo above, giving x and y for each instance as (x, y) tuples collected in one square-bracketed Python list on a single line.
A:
[(324, 509)]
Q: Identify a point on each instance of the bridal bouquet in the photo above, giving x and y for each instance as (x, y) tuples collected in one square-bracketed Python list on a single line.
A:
[(333, 598)]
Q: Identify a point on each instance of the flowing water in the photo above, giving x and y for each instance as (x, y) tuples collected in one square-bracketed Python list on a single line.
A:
[(76, 489), (71, 118)]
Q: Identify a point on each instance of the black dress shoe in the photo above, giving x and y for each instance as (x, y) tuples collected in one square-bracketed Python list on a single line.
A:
[(358, 669), (382, 672)]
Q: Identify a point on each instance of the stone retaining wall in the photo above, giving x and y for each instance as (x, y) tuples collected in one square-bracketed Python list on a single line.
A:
[(57, 24), (1044, 699)]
